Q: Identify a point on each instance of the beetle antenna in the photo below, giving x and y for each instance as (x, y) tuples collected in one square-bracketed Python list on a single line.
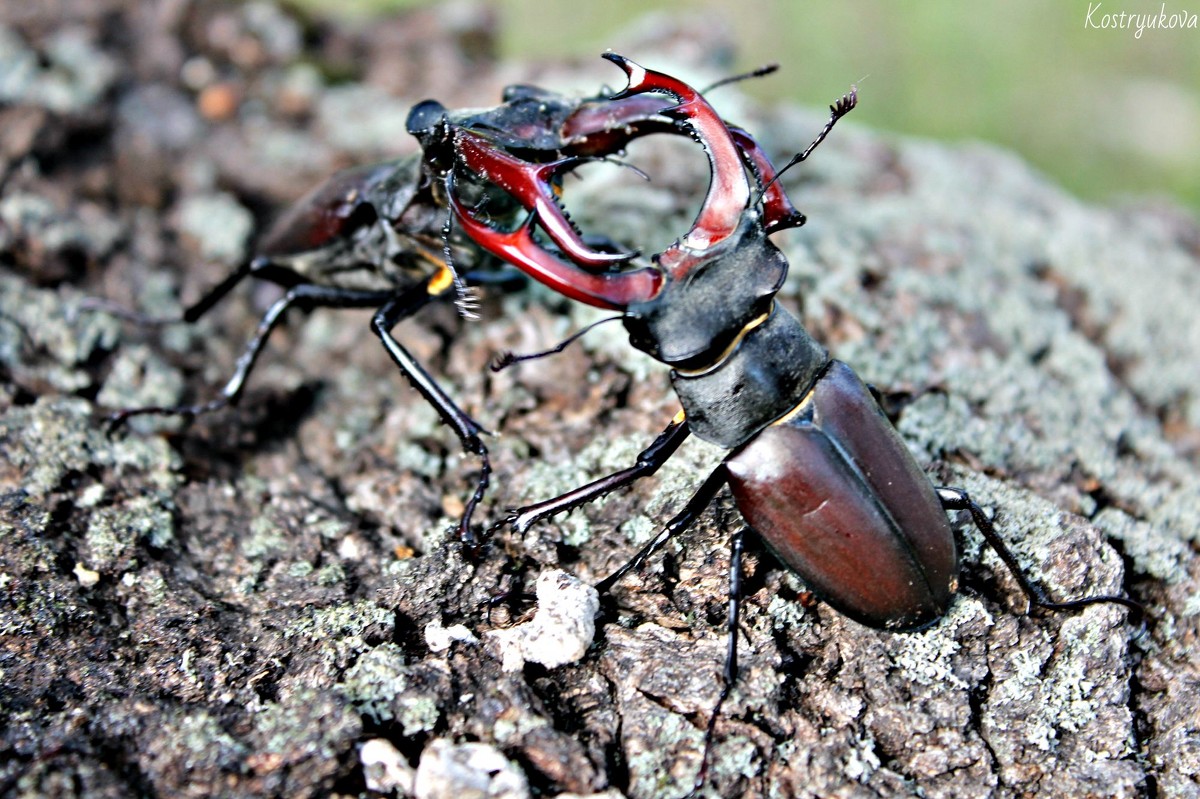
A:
[(760, 72), (631, 167), (507, 358), (836, 111), (466, 299)]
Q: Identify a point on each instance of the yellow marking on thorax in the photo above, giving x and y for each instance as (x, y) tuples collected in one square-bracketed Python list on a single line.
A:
[(801, 408), (442, 280), (733, 345)]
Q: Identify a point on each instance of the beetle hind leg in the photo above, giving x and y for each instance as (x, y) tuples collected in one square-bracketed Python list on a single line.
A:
[(958, 499)]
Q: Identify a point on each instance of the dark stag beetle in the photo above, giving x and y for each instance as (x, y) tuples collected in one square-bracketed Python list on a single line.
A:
[(380, 236), (815, 467)]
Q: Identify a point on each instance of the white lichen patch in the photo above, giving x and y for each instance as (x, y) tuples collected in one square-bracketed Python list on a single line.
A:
[(561, 630), (927, 657), (385, 769), (439, 638), (467, 771)]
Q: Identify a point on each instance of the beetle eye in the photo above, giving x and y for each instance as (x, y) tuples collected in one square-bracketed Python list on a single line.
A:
[(424, 116)]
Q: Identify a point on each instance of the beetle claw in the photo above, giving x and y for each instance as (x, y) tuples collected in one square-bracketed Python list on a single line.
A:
[(729, 191)]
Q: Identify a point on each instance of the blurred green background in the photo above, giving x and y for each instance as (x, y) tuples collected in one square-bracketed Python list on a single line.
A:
[(1108, 114)]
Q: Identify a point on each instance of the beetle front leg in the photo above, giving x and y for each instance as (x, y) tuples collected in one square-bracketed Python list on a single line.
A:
[(958, 499), (466, 428)]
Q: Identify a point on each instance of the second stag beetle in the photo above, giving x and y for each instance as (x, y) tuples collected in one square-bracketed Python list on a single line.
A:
[(815, 467)]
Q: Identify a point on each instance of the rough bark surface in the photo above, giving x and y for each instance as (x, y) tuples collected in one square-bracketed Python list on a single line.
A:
[(242, 606)]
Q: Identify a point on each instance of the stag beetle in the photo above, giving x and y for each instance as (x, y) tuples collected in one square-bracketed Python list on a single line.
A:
[(815, 467)]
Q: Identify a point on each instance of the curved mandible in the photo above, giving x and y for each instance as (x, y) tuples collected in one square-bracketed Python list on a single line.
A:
[(778, 211), (605, 126), (529, 183), (729, 189), (611, 290)]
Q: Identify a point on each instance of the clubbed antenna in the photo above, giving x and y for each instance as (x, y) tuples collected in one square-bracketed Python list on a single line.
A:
[(836, 111), (466, 299)]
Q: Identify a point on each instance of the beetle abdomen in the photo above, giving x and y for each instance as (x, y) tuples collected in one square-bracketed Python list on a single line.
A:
[(835, 493)]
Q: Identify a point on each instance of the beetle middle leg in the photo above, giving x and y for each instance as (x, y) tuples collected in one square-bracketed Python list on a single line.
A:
[(305, 295), (466, 428), (683, 520), (190, 314), (730, 673), (958, 499)]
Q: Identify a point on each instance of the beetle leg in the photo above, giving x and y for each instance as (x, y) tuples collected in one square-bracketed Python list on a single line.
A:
[(218, 292), (304, 295), (729, 676), (395, 307), (683, 520), (958, 499), (189, 315), (466, 428), (648, 462)]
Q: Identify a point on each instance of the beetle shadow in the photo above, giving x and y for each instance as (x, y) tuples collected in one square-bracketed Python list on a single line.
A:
[(217, 445)]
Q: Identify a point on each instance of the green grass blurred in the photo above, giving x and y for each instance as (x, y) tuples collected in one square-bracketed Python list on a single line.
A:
[(1104, 112)]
